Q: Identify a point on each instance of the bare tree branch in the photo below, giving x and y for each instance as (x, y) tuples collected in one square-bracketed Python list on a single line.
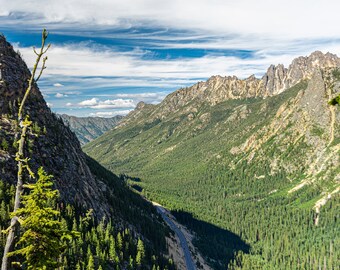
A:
[(23, 124)]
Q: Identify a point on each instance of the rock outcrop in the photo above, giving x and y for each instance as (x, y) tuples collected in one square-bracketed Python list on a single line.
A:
[(218, 88), (50, 144)]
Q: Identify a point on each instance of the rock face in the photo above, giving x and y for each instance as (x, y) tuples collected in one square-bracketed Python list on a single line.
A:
[(14, 75), (278, 78), (218, 89), (89, 128), (57, 148)]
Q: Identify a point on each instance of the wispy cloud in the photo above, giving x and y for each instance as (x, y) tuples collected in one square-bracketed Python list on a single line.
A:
[(111, 50), (290, 19), (155, 97), (95, 103), (60, 95), (115, 68), (88, 102), (110, 113)]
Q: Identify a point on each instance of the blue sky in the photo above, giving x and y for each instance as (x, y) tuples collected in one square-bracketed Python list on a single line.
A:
[(107, 55)]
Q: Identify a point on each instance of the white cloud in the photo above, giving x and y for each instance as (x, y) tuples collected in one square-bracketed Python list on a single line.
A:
[(49, 104), (60, 95), (58, 85), (69, 104), (110, 113), (140, 95), (117, 103), (74, 92), (89, 102), (148, 97), (77, 61), (94, 103), (288, 19)]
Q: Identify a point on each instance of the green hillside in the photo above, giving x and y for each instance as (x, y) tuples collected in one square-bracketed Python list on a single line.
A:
[(234, 165)]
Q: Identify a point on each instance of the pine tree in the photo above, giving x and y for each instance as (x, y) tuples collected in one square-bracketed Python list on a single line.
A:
[(119, 241), (78, 267), (3, 211), (43, 240), (130, 262), (90, 264), (140, 253)]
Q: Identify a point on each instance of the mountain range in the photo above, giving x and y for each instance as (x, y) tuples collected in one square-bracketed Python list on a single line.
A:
[(258, 158), (249, 166), (89, 128)]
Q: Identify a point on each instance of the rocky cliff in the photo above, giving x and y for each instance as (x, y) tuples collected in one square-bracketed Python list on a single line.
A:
[(81, 181), (50, 143), (218, 88)]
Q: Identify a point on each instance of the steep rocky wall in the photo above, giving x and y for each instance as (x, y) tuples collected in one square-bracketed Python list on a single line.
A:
[(57, 149), (218, 88)]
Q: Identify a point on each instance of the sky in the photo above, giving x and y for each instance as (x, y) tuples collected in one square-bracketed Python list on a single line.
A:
[(108, 55)]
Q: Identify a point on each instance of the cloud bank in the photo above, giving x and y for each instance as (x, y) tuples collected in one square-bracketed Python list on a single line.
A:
[(109, 54), (288, 19), (95, 103)]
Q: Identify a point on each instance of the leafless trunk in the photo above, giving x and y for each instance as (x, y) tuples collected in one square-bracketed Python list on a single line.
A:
[(24, 123)]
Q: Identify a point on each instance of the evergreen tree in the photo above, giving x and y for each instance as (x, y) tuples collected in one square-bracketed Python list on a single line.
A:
[(90, 264), (120, 242), (140, 253), (78, 267), (42, 242)]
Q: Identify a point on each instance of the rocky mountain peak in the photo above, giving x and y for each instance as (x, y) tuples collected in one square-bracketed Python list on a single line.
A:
[(303, 67), (218, 88), (13, 70), (140, 105), (278, 78)]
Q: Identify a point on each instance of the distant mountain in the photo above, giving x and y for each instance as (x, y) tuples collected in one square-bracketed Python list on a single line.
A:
[(257, 157), (82, 182), (89, 128)]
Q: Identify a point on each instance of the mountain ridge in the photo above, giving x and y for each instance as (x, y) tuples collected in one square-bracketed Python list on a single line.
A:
[(242, 163), (218, 89), (89, 128)]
